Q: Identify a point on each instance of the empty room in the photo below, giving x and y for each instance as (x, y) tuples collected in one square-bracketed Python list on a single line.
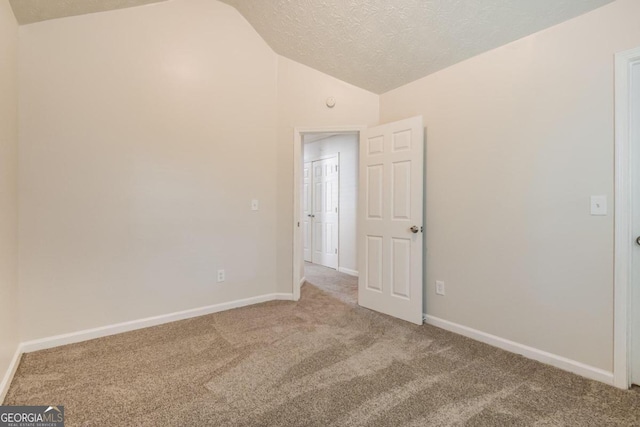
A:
[(332, 213)]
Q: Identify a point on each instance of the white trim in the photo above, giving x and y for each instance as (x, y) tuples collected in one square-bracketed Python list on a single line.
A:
[(297, 192), (526, 351), (104, 331), (282, 297), (623, 240), (11, 371), (348, 271), (304, 279), (325, 157)]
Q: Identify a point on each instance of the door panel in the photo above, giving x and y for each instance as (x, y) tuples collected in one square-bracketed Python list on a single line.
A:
[(374, 194), (390, 203), (400, 268), (373, 263), (401, 190)]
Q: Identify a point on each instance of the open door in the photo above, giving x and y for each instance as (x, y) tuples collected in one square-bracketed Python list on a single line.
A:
[(390, 210)]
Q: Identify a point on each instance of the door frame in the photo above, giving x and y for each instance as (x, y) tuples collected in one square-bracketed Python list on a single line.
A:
[(298, 161), (623, 230), (318, 159)]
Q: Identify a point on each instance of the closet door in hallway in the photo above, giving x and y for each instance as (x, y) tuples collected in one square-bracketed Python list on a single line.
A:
[(324, 212)]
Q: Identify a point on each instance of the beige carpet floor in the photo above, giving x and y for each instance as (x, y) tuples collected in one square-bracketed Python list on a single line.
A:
[(339, 285), (317, 362)]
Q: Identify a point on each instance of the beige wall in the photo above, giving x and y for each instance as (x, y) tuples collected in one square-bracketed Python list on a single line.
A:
[(8, 187), (518, 139), (145, 133), (302, 94)]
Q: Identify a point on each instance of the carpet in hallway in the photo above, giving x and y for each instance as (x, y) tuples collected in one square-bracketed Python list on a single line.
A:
[(340, 285)]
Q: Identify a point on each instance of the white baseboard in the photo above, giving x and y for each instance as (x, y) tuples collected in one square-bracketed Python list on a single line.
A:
[(560, 362), (304, 279), (8, 376), (283, 297), (103, 331), (348, 271)]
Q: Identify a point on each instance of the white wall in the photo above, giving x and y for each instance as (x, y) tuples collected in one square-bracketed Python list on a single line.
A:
[(347, 146), (145, 133), (302, 92), (8, 187), (517, 140)]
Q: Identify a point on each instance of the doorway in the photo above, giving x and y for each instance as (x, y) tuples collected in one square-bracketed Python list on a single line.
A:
[(389, 222), (330, 197)]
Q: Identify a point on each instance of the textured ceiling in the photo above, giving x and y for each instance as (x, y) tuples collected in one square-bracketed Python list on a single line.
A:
[(382, 44), (29, 11), (374, 44)]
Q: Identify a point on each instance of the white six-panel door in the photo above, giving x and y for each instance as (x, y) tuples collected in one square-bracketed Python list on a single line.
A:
[(389, 205), (306, 211), (324, 215)]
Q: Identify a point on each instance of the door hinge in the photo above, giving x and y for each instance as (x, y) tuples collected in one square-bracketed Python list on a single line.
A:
[(336, 210), (336, 251), (298, 224)]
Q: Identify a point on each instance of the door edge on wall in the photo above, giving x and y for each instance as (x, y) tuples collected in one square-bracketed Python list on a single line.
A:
[(622, 228)]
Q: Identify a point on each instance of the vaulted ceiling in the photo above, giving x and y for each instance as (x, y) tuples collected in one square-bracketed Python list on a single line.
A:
[(377, 45), (30, 11)]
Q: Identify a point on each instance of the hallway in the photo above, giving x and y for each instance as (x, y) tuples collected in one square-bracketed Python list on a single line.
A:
[(339, 285)]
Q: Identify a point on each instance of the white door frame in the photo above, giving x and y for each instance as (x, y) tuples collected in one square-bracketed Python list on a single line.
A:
[(623, 231), (298, 278)]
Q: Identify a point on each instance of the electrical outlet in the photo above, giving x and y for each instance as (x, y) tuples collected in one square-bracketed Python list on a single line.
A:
[(221, 276), (439, 287)]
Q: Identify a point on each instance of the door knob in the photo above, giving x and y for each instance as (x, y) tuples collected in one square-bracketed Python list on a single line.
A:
[(638, 240), (414, 229)]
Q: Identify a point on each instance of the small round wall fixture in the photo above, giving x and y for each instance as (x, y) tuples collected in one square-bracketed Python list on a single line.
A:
[(331, 102)]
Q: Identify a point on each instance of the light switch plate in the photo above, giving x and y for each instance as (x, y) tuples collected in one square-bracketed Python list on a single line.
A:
[(439, 287), (254, 205), (598, 205)]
